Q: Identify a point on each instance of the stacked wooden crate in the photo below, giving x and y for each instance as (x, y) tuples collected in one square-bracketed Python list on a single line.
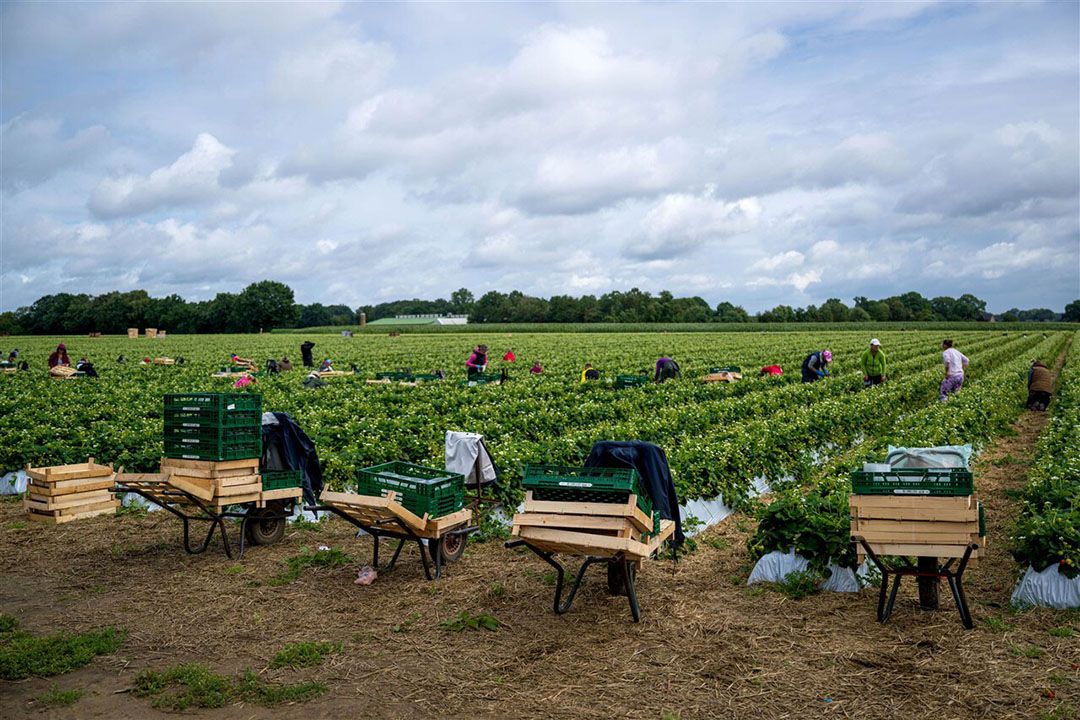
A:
[(588, 511), (219, 483), (63, 493), (924, 512)]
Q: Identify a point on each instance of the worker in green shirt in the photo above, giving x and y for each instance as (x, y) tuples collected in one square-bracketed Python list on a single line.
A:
[(873, 364)]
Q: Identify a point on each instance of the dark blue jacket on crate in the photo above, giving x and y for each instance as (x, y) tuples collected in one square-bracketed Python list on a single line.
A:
[(287, 447), (651, 464)]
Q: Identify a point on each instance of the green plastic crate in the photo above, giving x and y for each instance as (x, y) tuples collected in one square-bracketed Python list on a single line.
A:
[(212, 434), (562, 483), (214, 402), (397, 375), (280, 479), (213, 418), (426, 377), (421, 490), (212, 451), (484, 378), (913, 481), (629, 381)]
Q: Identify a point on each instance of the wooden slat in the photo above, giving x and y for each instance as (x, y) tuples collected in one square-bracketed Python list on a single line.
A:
[(629, 509), (60, 473), (56, 520), (41, 502), (210, 465), (859, 526), (42, 509), (388, 504), (437, 526), (916, 502), (585, 543), (63, 488), (189, 486), (280, 494), (917, 550), (572, 522), (919, 537)]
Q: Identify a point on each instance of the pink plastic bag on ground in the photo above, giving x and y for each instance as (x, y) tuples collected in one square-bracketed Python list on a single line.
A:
[(366, 576)]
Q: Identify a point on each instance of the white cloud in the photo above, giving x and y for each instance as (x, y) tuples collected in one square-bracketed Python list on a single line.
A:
[(193, 177)]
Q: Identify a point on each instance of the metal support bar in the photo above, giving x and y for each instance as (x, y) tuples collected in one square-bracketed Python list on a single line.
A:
[(166, 499), (561, 605), (943, 572)]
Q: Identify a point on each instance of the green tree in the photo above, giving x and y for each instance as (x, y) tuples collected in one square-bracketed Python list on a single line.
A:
[(462, 300), (1072, 312), (266, 305), (729, 313)]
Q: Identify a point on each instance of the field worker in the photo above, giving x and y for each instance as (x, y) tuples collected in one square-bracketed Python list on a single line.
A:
[(87, 367), (284, 365), (59, 356), (772, 370), (326, 366), (243, 382), (873, 364), (272, 366), (536, 369), (816, 366), (477, 362), (509, 356), (666, 369), (305, 353), (589, 373), (1040, 385), (955, 362), (13, 355)]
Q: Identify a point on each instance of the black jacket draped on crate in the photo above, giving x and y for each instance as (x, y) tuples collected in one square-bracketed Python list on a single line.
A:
[(287, 447), (651, 464)]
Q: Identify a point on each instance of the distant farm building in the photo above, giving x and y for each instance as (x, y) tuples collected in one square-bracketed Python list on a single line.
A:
[(423, 320)]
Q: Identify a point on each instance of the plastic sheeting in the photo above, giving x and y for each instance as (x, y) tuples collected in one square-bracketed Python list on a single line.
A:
[(1048, 588), (775, 566), (13, 483), (713, 511), (943, 456)]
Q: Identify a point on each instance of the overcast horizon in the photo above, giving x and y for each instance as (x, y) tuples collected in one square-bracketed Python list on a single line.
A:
[(764, 154)]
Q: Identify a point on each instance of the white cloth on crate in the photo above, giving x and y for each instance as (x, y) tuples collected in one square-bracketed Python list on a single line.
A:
[(466, 454)]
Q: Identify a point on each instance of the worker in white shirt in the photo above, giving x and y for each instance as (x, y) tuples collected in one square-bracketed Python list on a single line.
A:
[(955, 362)]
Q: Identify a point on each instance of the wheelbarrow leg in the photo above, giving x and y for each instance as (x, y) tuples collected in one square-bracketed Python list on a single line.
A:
[(375, 552), (397, 551), (224, 536), (573, 588), (883, 616), (423, 557), (631, 591), (187, 538)]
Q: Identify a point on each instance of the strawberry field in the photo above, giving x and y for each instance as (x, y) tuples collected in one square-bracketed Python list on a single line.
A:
[(718, 437)]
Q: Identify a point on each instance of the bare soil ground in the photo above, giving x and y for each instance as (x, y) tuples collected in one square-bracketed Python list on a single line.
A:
[(707, 646)]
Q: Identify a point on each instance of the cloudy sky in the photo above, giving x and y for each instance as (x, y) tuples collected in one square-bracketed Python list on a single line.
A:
[(762, 153)]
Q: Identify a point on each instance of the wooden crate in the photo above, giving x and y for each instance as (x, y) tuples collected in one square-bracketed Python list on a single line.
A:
[(370, 510), (133, 333), (933, 526), (151, 332), (584, 528), (63, 493), (210, 468)]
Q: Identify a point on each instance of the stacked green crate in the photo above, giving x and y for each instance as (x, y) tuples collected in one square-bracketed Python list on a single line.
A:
[(629, 381), (913, 481), (421, 490), (560, 483), (213, 426)]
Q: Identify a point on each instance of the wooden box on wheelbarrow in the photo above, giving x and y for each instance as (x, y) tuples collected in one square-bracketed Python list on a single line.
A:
[(590, 528), (917, 525), (228, 482)]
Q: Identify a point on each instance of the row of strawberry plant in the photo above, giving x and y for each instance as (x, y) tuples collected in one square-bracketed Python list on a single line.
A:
[(1047, 531)]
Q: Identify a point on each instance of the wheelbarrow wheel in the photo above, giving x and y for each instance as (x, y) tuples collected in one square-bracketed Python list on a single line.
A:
[(616, 577), (265, 526), (452, 547)]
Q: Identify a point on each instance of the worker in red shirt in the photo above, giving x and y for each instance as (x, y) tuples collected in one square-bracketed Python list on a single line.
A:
[(509, 356)]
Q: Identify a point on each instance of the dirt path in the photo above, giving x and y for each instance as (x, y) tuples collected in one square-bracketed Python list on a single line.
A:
[(707, 646)]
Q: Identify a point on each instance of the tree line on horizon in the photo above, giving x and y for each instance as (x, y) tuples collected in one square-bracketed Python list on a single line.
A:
[(268, 305)]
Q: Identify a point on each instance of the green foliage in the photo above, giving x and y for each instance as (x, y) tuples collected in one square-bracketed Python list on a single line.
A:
[(23, 655), (407, 623), (196, 686), (1047, 531), (304, 654), (1026, 651), (816, 526), (799, 584), (59, 698), (997, 624), (295, 565), (7, 623), (465, 621), (1062, 632)]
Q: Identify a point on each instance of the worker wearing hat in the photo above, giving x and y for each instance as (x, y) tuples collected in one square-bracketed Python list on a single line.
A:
[(873, 364), (816, 366)]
